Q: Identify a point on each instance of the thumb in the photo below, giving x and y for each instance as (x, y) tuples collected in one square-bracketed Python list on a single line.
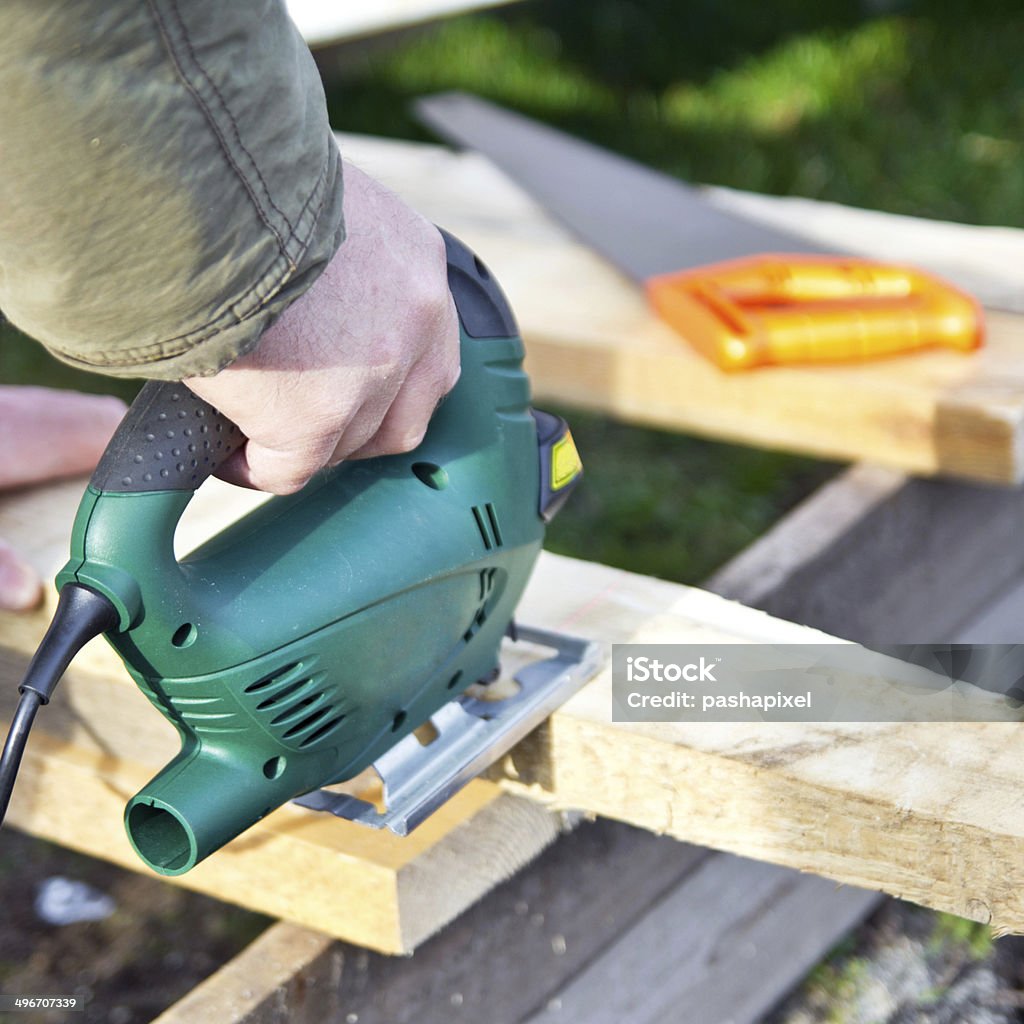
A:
[(20, 587), (268, 469)]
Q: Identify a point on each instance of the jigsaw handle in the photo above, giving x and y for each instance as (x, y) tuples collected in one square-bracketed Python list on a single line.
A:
[(170, 440)]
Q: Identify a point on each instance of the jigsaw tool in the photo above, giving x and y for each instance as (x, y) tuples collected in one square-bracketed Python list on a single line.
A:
[(307, 641)]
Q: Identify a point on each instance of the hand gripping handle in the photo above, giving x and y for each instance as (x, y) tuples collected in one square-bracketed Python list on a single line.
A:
[(170, 440)]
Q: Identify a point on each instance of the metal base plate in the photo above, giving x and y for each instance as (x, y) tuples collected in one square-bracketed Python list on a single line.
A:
[(471, 735)]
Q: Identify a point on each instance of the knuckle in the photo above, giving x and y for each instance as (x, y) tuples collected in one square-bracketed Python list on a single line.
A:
[(412, 440), (399, 438)]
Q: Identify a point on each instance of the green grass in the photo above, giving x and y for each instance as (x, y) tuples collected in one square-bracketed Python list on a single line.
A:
[(974, 939), (919, 112), (919, 109), (672, 506)]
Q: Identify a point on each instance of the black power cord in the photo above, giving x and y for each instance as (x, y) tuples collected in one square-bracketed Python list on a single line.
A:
[(81, 614), (10, 760)]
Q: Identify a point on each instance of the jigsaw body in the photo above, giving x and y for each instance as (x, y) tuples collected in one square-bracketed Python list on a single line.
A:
[(300, 645)]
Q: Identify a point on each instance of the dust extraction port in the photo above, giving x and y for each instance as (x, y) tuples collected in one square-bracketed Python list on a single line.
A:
[(160, 838)]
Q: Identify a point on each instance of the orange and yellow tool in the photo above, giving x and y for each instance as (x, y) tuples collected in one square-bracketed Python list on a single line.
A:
[(781, 309)]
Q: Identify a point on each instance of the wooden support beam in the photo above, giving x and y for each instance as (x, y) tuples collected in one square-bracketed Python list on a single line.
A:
[(593, 342), (883, 559), (287, 974), (920, 810)]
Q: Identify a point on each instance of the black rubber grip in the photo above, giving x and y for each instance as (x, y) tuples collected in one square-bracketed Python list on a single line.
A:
[(169, 440), (483, 309)]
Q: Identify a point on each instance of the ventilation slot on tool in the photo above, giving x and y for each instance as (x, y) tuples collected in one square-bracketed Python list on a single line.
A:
[(279, 675), (307, 722), (487, 523), (282, 695), (487, 577), (323, 731), (286, 716), (292, 699)]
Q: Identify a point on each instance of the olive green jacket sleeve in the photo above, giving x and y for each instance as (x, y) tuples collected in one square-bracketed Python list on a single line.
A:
[(168, 179)]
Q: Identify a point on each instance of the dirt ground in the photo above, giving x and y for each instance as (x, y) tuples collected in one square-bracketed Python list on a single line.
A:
[(909, 965), (904, 965), (157, 946)]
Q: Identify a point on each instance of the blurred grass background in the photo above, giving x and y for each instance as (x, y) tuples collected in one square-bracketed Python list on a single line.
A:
[(914, 107)]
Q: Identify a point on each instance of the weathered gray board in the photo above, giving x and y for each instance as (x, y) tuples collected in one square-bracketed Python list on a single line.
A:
[(882, 559), (722, 947), (584, 935)]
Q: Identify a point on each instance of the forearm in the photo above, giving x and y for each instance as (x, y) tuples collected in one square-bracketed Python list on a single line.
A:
[(168, 180)]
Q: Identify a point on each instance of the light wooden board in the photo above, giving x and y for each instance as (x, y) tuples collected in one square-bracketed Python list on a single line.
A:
[(323, 22), (811, 563), (927, 811), (600, 890), (593, 342)]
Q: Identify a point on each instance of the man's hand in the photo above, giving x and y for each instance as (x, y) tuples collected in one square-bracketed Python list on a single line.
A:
[(44, 435), (355, 367)]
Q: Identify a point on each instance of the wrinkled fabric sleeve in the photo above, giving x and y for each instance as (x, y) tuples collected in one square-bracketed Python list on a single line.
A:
[(168, 179)]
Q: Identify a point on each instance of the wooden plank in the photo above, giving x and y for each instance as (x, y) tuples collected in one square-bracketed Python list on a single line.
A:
[(883, 559), (926, 810), (325, 22), (598, 888), (607, 919), (727, 944), (593, 342), (285, 975)]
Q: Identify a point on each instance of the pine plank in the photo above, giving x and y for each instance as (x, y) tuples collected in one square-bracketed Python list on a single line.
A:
[(593, 342), (923, 810), (927, 810)]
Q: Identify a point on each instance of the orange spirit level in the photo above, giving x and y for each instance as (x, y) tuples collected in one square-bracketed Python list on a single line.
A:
[(778, 309)]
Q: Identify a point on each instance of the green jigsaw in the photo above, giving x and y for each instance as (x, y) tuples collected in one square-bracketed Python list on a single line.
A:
[(308, 640)]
